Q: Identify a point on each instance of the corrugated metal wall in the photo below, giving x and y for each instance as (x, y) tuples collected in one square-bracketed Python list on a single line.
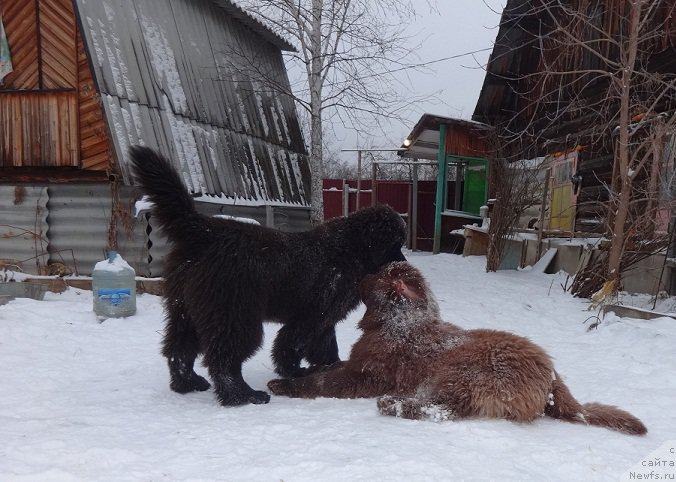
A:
[(23, 227), (69, 224), (79, 216)]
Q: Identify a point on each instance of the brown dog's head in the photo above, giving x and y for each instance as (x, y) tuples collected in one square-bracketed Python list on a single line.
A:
[(398, 301), (398, 286)]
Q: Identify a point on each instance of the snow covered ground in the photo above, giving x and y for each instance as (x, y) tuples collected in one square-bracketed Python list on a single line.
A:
[(83, 400)]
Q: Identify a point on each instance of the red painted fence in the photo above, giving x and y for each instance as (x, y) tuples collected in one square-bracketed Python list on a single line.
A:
[(398, 194)]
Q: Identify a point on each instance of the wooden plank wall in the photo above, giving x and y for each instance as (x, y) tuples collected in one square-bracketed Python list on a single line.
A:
[(96, 152), (20, 20), (465, 141), (41, 100), (39, 129), (58, 44)]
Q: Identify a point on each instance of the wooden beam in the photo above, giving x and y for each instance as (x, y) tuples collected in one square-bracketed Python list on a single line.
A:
[(442, 175)]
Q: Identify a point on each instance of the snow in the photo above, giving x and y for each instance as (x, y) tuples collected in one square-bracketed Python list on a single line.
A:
[(114, 265), (237, 218), (143, 204), (83, 400), (164, 63), (100, 55)]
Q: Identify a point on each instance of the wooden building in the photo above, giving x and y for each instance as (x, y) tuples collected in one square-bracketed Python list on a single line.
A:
[(548, 91), (91, 78)]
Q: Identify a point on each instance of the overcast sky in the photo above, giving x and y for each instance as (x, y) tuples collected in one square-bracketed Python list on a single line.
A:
[(456, 27)]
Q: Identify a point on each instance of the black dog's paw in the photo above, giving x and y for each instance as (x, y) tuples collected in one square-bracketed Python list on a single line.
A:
[(200, 384), (281, 386), (258, 397), (193, 383), (235, 398)]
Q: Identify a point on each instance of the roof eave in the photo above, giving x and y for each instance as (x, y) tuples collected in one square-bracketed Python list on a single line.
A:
[(255, 24)]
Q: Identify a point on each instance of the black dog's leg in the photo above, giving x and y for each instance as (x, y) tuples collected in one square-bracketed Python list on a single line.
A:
[(293, 343), (224, 357), (181, 347), (231, 389), (287, 351), (183, 376), (323, 350)]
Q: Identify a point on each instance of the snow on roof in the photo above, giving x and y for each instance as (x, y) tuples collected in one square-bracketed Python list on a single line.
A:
[(171, 79)]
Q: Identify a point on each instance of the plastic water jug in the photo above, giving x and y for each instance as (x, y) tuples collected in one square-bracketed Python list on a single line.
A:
[(114, 287)]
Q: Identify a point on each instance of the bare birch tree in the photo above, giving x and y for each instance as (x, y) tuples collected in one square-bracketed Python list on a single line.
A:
[(350, 53), (601, 85)]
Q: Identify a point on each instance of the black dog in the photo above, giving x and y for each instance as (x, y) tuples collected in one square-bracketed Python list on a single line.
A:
[(224, 278)]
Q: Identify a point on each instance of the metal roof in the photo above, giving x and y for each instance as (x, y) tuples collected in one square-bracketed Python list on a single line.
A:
[(255, 24), (170, 76), (508, 60), (507, 91)]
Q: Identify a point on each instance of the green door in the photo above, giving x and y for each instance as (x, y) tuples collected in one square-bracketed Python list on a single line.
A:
[(474, 189)]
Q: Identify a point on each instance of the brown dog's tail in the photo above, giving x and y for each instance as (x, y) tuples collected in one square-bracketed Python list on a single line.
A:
[(562, 405)]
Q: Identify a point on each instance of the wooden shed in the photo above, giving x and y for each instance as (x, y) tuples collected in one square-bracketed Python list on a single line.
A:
[(461, 149), (587, 88), (90, 78), (554, 99)]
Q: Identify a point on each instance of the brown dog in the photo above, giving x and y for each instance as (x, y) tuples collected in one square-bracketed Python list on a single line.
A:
[(429, 369)]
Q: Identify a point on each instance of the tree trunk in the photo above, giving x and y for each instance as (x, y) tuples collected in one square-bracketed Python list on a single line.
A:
[(315, 82), (316, 169), (620, 207)]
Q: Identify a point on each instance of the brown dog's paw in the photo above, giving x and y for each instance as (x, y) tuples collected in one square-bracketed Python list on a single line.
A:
[(281, 386), (323, 368), (387, 405)]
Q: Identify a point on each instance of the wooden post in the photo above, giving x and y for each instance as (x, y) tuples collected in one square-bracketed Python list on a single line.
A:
[(413, 215), (374, 193), (269, 216), (358, 179), (543, 206), (346, 198), (442, 176)]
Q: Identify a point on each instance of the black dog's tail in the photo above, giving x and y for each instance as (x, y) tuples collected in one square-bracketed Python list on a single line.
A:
[(173, 205)]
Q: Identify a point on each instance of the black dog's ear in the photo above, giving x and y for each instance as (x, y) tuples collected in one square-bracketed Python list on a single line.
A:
[(397, 255), (366, 286)]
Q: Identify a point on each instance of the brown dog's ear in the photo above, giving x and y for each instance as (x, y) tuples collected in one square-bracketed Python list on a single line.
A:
[(400, 286)]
